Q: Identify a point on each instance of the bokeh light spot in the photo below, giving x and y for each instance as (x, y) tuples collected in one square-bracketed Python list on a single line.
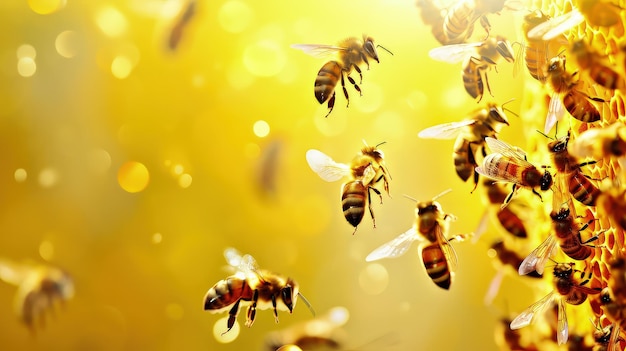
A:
[(46, 250), (339, 315), (157, 238), (264, 58), (20, 175), (99, 160), (133, 176), (374, 279), (121, 67), (220, 327), (48, 177), (46, 7), (66, 44), (417, 100), (235, 16), (26, 50), (26, 67), (261, 128), (184, 181), (111, 21)]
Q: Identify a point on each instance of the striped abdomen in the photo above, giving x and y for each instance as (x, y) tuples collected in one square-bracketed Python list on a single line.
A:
[(436, 265), (226, 292), (569, 238), (580, 107), (353, 200), (582, 189), (458, 23), (326, 80), (472, 80)]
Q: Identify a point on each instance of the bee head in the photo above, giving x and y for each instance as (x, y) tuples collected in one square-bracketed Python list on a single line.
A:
[(546, 181), (561, 215), (287, 294), (563, 270), (370, 48)]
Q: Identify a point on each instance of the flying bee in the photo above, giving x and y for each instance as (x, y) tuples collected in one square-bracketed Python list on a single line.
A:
[(566, 235), (477, 58), (509, 164), (579, 185), (460, 19), (40, 288), (596, 66), (556, 26), (566, 95), (431, 227), (509, 217), (598, 143), (186, 14), (351, 53), (367, 170), (600, 13), (433, 16), (257, 288), (470, 136), (568, 288), (505, 257), (511, 340)]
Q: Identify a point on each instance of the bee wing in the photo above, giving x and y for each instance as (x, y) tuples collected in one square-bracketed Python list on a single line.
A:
[(537, 259), (561, 325), (318, 50), (445, 130), (556, 26), (453, 53), (448, 250), (556, 111), (233, 257), (527, 316), (325, 166), (502, 148), (490, 169), (12, 272), (394, 248)]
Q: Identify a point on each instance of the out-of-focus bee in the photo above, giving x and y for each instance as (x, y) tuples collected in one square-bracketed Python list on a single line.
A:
[(509, 164), (470, 136), (567, 235), (40, 288), (477, 58), (351, 53), (568, 289), (598, 143), (607, 338), (460, 18), (257, 288), (536, 51), (566, 95), (505, 257), (600, 13), (319, 332), (556, 26), (367, 170), (567, 166), (596, 66), (433, 16), (613, 202), (431, 227), (511, 340), (509, 217), (187, 12)]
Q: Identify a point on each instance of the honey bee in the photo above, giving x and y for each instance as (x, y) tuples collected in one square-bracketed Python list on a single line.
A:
[(509, 164), (556, 26), (509, 217), (470, 136), (505, 257), (351, 53), (257, 288), (477, 58), (187, 12), (598, 143), (511, 340), (607, 338), (576, 102), (613, 202), (367, 170), (40, 288), (600, 13), (459, 20), (567, 235), (580, 187), (596, 66), (537, 51), (433, 16), (568, 289), (431, 226)]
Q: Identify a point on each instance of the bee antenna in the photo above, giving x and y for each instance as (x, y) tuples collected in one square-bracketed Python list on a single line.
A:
[(379, 144), (545, 135), (442, 194), (508, 109), (307, 303), (380, 46), (409, 197)]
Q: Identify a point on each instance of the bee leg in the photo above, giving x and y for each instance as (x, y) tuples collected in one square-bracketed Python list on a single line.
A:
[(252, 309), (484, 73), (331, 104), (345, 91), (232, 316), (274, 306), (358, 70), (355, 85), (378, 193), (484, 22)]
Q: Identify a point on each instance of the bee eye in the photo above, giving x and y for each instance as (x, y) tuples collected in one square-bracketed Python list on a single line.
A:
[(287, 294)]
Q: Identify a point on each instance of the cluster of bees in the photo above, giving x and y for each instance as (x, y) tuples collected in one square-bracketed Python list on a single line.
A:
[(591, 266)]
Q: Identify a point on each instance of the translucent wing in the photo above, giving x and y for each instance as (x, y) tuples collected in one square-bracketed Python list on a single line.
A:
[(453, 53), (500, 147), (448, 250), (325, 166), (368, 175), (556, 111), (538, 258), (446, 130), (11, 272), (490, 168), (318, 50), (556, 26), (394, 248), (527, 316), (494, 287), (561, 325), (233, 257), (246, 263)]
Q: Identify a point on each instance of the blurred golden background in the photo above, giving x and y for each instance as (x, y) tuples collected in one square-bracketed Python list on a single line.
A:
[(133, 166)]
